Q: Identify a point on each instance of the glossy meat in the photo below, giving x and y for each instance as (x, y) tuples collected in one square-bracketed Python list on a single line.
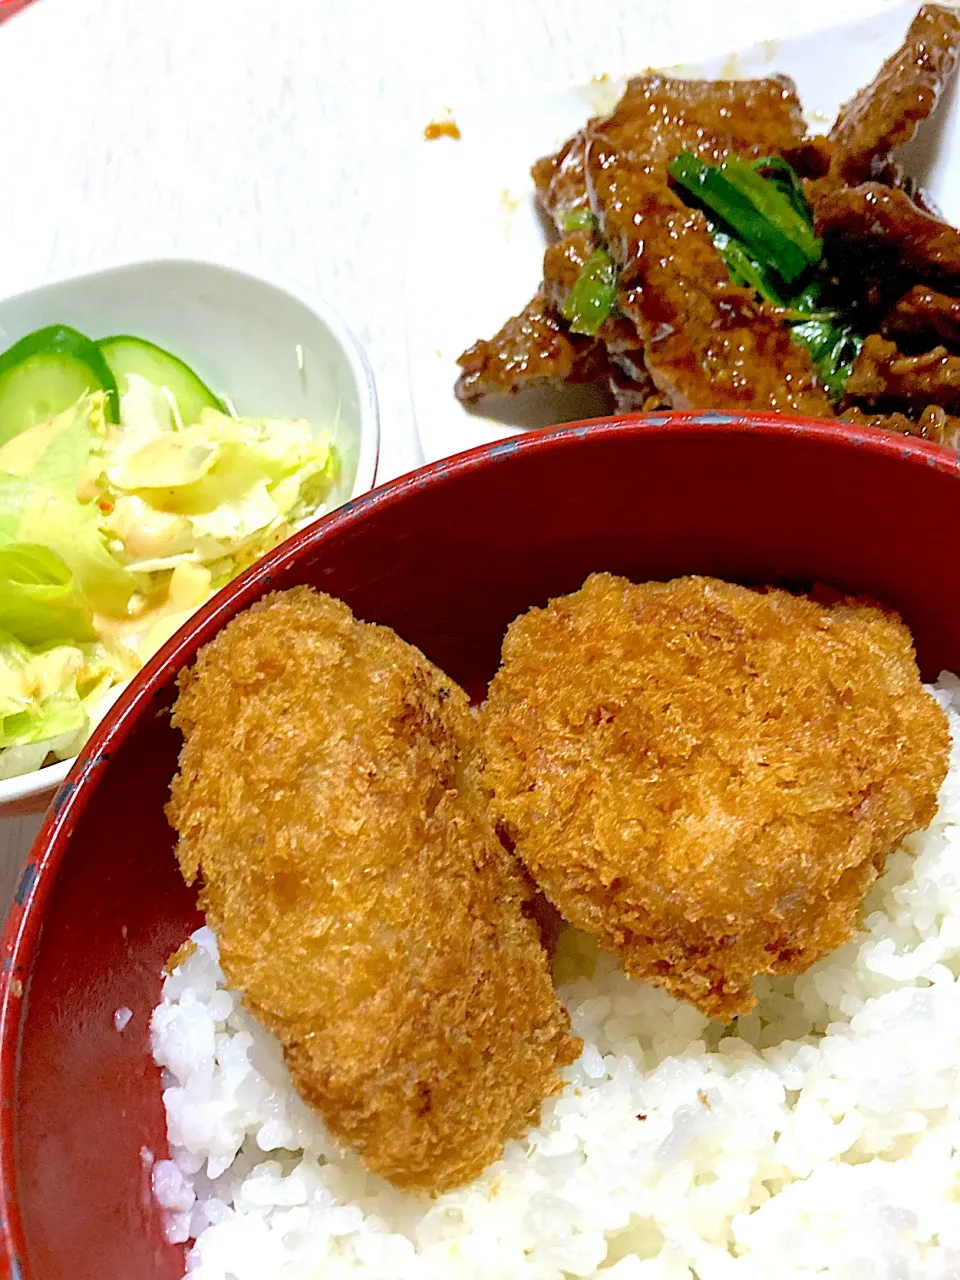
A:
[(327, 796), (883, 376), (706, 342), (668, 115), (660, 116), (924, 317), (881, 227), (534, 348), (886, 113), (565, 190), (934, 424), (562, 263), (709, 778), (684, 336), (663, 116), (537, 349), (940, 427), (560, 180)]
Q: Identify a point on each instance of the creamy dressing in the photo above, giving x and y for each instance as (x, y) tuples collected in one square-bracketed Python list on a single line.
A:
[(145, 519)]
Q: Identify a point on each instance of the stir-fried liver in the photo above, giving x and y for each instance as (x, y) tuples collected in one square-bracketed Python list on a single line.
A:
[(883, 376), (885, 113), (683, 334), (924, 317), (706, 341), (561, 181), (531, 349), (881, 224), (934, 424)]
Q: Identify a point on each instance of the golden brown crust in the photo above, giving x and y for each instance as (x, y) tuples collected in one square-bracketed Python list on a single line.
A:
[(710, 778), (327, 794)]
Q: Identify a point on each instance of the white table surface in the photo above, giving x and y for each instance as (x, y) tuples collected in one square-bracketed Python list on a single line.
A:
[(276, 134)]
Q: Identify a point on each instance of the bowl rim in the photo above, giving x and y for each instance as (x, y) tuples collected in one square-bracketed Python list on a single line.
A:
[(27, 787), (23, 924)]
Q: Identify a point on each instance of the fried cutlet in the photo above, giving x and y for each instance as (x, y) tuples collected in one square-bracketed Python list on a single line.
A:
[(328, 798), (710, 778)]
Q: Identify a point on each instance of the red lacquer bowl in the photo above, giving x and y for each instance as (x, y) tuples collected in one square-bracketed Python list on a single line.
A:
[(448, 557), (9, 7)]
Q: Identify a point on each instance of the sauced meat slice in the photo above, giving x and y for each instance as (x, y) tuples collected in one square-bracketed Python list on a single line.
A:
[(710, 117), (707, 343), (939, 426), (663, 116), (537, 347), (561, 180), (564, 189), (925, 317), (882, 376), (934, 424), (881, 227), (899, 423), (659, 116), (561, 186), (533, 348), (885, 113)]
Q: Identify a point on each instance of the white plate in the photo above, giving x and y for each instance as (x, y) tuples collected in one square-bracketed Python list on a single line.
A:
[(273, 349), (477, 240)]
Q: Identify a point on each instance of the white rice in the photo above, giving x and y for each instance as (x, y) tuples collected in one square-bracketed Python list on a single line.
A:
[(819, 1137)]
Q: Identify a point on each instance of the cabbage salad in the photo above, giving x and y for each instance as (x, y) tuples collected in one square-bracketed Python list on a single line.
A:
[(129, 493)]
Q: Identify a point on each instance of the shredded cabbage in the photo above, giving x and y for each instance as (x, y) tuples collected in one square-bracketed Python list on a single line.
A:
[(112, 534), (47, 696)]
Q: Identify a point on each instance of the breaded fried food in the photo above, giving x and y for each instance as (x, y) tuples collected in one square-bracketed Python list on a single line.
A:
[(328, 796), (710, 778)]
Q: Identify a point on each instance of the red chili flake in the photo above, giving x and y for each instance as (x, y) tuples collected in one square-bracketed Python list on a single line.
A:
[(106, 505)]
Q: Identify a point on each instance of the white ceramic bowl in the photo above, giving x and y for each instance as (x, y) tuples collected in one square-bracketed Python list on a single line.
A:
[(273, 349)]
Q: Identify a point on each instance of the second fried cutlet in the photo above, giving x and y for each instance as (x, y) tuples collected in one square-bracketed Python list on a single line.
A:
[(710, 778)]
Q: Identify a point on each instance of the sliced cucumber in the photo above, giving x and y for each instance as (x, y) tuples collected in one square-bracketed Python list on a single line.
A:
[(126, 355), (45, 373)]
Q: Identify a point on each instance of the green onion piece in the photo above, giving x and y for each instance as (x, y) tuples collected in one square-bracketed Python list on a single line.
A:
[(775, 169), (809, 303), (744, 270), (593, 295), (578, 219), (833, 348), (755, 210)]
